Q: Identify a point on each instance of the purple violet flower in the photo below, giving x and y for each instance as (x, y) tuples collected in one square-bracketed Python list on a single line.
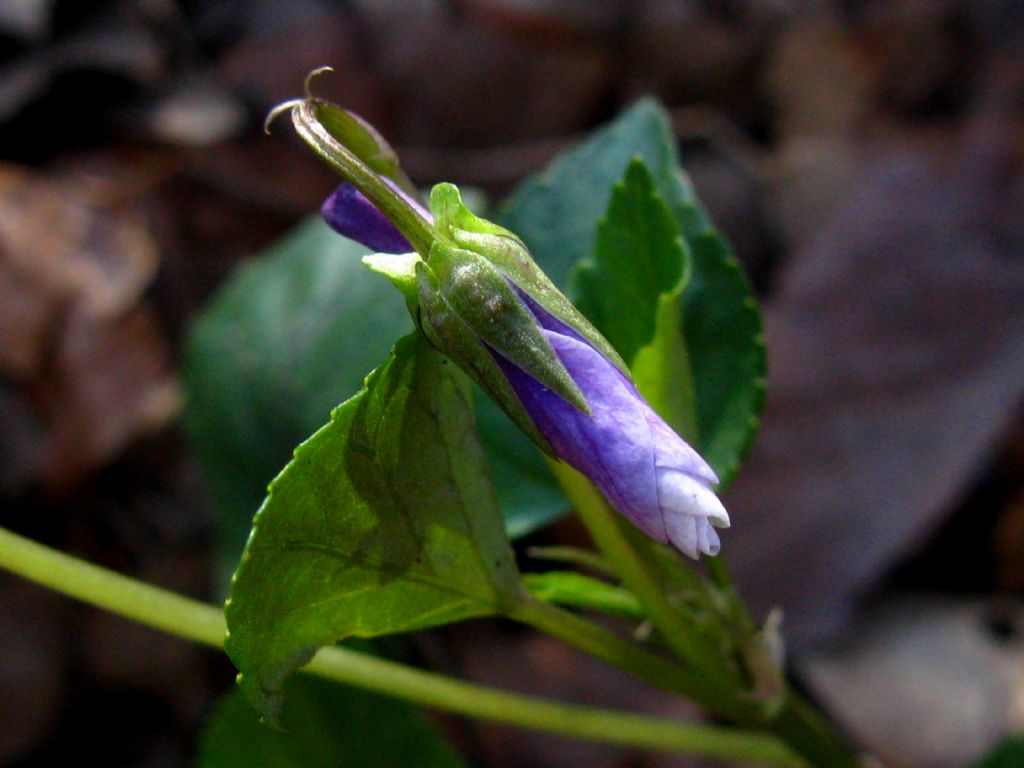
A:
[(647, 472)]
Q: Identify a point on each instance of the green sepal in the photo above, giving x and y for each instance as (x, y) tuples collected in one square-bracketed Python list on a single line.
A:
[(456, 224), (368, 165), (478, 293), (447, 331), (362, 140), (400, 269)]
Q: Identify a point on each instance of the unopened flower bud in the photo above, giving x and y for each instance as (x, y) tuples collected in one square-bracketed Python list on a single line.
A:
[(485, 304)]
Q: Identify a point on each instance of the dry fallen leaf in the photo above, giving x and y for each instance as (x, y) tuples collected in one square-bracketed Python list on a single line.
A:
[(74, 333), (895, 367)]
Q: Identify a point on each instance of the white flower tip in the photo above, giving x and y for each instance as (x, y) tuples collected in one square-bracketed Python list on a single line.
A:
[(707, 539), (682, 493), (691, 511), (692, 536)]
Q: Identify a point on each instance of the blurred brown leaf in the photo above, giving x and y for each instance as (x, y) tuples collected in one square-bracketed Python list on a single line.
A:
[(544, 666), (87, 355), (110, 382), (951, 669), (33, 666), (895, 367), (461, 83), (820, 79), (59, 244)]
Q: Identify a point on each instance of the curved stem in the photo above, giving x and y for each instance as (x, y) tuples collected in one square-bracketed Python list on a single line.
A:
[(203, 623), (132, 599), (576, 721)]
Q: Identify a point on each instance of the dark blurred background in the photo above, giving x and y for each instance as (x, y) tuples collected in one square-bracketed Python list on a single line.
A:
[(866, 159)]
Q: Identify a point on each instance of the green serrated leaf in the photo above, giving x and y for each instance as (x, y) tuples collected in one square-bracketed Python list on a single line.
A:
[(290, 336), (325, 725), (722, 326), (632, 289), (639, 256), (556, 212), (382, 523)]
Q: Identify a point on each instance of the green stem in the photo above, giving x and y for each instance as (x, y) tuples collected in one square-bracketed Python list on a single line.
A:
[(583, 558), (719, 573), (607, 646), (604, 527), (192, 620), (808, 733), (571, 589), (590, 723), (135, 600), (398, 209)]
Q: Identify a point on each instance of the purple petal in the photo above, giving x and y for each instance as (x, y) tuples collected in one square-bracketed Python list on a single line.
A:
[(689, 508), (601, 445), (351, 214), (547, 320), (672, 451), (640, 464)]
